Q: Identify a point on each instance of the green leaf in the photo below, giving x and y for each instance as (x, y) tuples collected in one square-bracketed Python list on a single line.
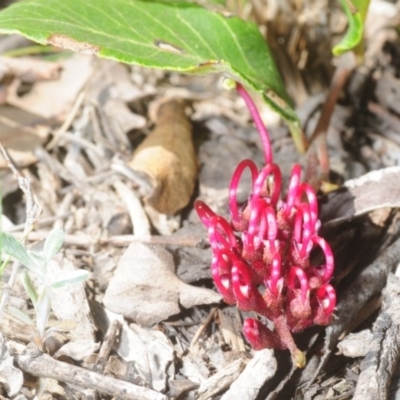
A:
[(356, 11), (70, 277), (174, 35), (43, 310), (53, 243), (39, 259), (15, 249), (20, 315), (29, 287)]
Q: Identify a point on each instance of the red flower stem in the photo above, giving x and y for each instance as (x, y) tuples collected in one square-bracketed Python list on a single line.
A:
[(247, 295), (276, 275), (327, 298), (258, 122), (272, 225), (329, 261), (233, 204), (262, 182), (221, 266), (281, 328), (297, 272), (260, 336), (303, 230), (204, 212), (221, 234), (256, 216), (293, 187), (306, 189), (262, 226), (241, 283)]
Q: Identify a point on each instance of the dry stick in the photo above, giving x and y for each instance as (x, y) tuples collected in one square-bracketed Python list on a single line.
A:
[(73, 112), (389, 118), (104, 353), (43, 221), (59, 169), (43, 366), (33, 211), (63, 209), (83, 240), (203, 327), (98, 137), (107, 345), (140, 222), (13, 124), (68, 120), (82, 142), (221, 380), (8, 287)]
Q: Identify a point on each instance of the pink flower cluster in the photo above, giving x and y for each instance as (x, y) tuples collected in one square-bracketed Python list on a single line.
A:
[(261, 257)]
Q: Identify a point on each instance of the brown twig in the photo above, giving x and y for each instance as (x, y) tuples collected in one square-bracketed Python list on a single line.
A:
[(33, 211), (318, 138), (42, 222), (68, 120), (107, 345), (83, 240), (42, 365), (140, 222), (203, 327)]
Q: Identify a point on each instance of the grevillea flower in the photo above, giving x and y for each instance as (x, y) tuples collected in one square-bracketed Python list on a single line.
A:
[(261, 257)]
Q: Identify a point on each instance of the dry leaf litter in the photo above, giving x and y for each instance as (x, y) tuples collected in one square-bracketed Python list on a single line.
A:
[(148, 323)]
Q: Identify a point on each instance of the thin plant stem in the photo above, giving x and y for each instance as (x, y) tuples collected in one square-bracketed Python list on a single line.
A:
[(258, 122), (33, 211), (8, 287)]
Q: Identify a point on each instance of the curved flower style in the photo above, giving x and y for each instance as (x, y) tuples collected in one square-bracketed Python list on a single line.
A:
[(261, 257)]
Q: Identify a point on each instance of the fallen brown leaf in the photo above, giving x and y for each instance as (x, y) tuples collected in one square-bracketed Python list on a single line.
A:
[(167, 156), (20, 133), (78, 350), (54, 98), (29, 69), (145, 288)]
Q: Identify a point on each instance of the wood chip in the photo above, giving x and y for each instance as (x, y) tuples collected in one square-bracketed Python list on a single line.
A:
[(377, 189), (221, 380), (11, 378), (366, 285), (356, 344), (259, 370), (380, 363), (231, 326)]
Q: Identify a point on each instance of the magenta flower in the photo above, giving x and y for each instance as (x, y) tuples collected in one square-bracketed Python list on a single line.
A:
[(261, 257)]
